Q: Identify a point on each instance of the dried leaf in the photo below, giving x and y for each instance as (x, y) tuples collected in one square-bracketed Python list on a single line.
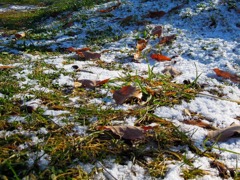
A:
[(222, 169), (171, 71), (227, 75), (156, 14), (110, 8), (71, 49), (126, 92), (167, 39), (86, 83), (125, 131), (198, 123), (6, 67), (160, 57), (88, 55), (20, 35), (137, 55), (225, 134), (157, 31), (141, 44)]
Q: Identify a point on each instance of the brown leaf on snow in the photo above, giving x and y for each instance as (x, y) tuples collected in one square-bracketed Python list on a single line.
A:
[(227, 75), (126, 92), (6, 67), (86, 83), (125, 131), (141, 44), (20, 35), (160, 57), (157, 31), (171, 71), (72, 49), (156, 14), (198, 123), (222, 169), (225, 134), (88, 55), (167, 39), (110, 8)]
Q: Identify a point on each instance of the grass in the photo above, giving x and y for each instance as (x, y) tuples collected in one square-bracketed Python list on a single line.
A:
[(29, 19), (56, 139)]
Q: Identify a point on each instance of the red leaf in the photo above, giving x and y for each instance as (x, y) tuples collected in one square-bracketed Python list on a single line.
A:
[(160, 57), (156, 14), (126, 92), (99, 83), (227, 75), (71, 49)]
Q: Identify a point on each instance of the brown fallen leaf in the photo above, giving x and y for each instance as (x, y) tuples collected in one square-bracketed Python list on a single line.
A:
[(20, 35), (156, 14), (171, 71), (88, 55), (167, 39), (72, 49), (222, 169), (198, 123), (126, 92), (86, 83), (141, 44), (125, 131), (6, 67), (224, 74), (225, 134), (157, 31), (110, 8), (160, 57)]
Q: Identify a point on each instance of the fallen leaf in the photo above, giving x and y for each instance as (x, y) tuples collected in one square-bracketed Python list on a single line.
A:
[(6, 67), (167, 39), (137, 55), (171, 71), (156, 14), (198, 123), (157, 31), (126, 92), (141, 44), (20, 35), (227, 75), (86, 83), (110, 8), (71, 49), (225, 134), (160, 57), (88, 55), (125, 131)]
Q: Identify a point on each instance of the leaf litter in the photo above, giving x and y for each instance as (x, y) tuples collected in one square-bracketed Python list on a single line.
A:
[(198, 50)]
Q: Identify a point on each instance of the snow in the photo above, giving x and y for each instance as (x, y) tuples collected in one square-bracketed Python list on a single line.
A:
[(200, 46)]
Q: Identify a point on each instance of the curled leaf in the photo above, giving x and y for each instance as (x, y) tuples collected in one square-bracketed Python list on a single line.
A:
[(157, 31), (160, 57), (225, 134), (126, 92), (125, 131), (20, 35), (198, 123), (141, 44), (227, 75), (167, 39), (171, 71)]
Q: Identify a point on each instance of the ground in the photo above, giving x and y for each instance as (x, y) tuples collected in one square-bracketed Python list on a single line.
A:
[(120, 89)]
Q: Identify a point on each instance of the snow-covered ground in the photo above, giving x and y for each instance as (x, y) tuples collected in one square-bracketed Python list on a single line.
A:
[(208, 37)]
